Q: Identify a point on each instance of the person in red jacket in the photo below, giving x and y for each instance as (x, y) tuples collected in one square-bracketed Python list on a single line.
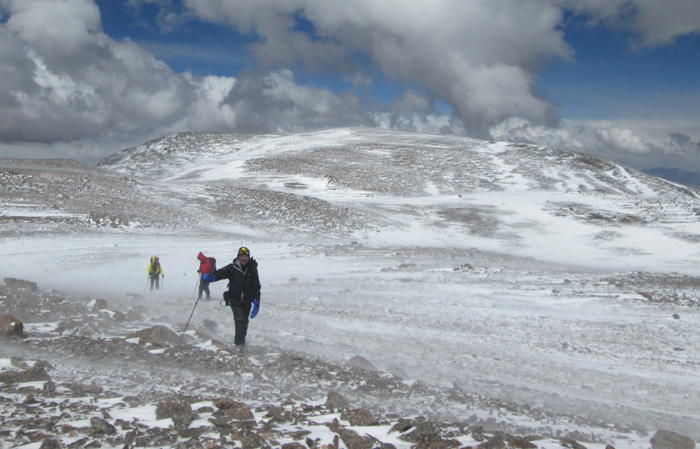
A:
[(205, 266)]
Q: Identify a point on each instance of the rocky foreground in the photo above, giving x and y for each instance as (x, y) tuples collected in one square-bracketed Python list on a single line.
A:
[(76, 374)]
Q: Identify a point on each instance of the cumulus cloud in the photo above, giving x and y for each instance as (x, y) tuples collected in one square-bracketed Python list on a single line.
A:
[(635, 144), (276, 103), (64, 80), (480, 57)]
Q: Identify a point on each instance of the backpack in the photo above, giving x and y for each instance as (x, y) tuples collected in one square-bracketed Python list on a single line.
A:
[(213, 264)]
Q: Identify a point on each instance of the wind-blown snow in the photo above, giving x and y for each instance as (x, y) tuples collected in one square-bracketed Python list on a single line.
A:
[(524, 273)]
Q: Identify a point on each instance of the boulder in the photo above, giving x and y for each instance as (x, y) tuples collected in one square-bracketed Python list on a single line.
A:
[(99, 304), (236, 410), (351, 438), (359, 417), (362, 363), (34, 374), (11, 326), (102, 427), (179, 411), (336, 401), (252, 441), (664, 439), (19, 284), (158, 336)]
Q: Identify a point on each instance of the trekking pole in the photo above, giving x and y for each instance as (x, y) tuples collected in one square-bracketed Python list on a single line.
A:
[(146, 287), (195, 287), (195, 306)]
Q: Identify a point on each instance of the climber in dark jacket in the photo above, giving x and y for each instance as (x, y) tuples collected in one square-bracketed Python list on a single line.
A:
[(243, 291)]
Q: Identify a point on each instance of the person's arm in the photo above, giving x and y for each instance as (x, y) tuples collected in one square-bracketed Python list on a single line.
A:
[(222, 273)]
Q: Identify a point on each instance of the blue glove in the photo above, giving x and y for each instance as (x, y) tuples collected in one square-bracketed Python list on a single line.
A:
[(256, 308), (208, 277)]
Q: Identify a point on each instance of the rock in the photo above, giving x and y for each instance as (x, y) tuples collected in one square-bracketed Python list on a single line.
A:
[(359, 417), (351, 439), (236, 410), (157, 335), (571, 444), (494, 443), (11, 326), (363, 363), (19, 284), (19, 363), (252, 441), (521, 443), (425, 431), (293, 445), (133, 315), (336, 401), (82, 390), (209, 324), (99, 305), (31, 375), (402, 426), (180, 412), (102, 427), (664, 439), (49, 444)]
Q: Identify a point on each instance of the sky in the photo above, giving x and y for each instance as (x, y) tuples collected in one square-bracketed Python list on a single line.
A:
[(617, 78)]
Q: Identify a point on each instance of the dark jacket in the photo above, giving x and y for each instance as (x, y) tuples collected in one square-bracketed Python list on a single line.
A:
[(243, 281)]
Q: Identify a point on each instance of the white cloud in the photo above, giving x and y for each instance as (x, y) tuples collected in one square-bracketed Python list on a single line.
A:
[(638, 144), (75, 84), (480, 57), (62, 79), (275, 103)]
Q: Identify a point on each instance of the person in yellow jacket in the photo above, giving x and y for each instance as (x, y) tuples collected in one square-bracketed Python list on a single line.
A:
[(155, 271)]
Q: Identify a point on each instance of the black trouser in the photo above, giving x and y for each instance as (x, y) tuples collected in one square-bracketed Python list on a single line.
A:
[(155, 280), (241, 312), (203, 287)]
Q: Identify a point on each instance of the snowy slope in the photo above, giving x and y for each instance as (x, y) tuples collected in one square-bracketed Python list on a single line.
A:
[(386, 187), (556, 279)]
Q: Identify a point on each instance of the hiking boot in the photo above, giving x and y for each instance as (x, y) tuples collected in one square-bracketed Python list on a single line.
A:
[(240, 348)]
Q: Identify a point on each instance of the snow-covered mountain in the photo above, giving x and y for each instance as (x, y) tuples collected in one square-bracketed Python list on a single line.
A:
[(555, 279), (388, 187)]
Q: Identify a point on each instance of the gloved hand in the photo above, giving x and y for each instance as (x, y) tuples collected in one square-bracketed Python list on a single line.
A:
[(208, 277), (256, 308)]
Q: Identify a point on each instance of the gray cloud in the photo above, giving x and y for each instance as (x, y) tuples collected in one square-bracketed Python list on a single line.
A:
[(63, 80), (480, 57), (276, 103), (634, 144)]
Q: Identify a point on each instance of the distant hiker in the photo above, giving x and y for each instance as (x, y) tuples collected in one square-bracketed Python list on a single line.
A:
[(155, 271), (243, 291), (206, 265)]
